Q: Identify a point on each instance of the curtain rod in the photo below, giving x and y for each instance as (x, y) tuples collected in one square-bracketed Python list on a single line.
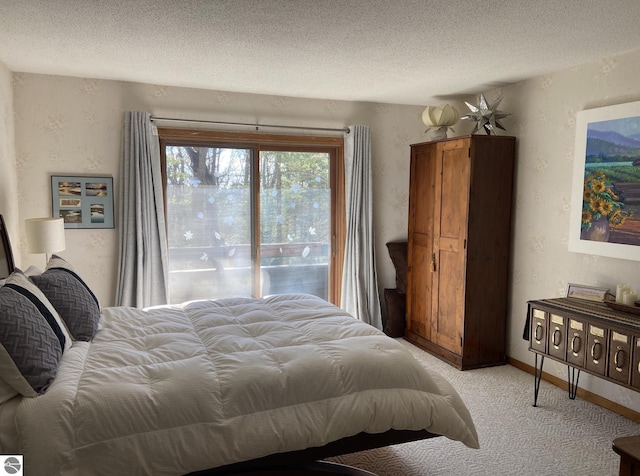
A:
[(257, 126)]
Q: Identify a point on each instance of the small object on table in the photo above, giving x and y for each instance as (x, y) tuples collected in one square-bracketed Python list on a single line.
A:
[(620, 289), (629, 298)]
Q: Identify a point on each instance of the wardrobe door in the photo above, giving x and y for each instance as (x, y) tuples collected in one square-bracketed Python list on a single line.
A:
[(420, 243), (450, 233)]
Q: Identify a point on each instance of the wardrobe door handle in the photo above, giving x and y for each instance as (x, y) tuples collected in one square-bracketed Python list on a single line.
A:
[(433, 263)]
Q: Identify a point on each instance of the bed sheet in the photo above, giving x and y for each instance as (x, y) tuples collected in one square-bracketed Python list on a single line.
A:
[(8, 433)]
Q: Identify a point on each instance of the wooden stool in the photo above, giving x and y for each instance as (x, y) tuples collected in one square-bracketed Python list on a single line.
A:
[(628, 448)]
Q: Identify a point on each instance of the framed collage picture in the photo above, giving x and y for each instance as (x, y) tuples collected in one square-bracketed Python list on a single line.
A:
[(83, 201)]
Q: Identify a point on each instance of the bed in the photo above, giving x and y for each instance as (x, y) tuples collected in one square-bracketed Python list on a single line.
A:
[(207, 387)]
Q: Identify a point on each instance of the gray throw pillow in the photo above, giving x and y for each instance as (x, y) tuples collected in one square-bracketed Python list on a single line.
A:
[(32, 338), (72, 298)]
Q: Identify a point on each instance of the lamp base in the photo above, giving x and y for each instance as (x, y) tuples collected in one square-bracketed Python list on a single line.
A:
[(440, 133)]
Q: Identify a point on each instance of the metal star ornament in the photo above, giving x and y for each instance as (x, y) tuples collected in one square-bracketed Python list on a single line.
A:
[(487, 117)]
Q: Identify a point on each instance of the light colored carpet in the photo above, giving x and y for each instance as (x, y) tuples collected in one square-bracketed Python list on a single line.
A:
[(559, 437)]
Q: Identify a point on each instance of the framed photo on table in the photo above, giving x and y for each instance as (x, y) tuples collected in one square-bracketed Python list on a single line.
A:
[(83, 201), (588, 293)]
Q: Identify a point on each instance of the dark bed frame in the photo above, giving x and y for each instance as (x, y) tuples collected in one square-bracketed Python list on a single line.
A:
[(298, 459), (6, 256), (303, 459)]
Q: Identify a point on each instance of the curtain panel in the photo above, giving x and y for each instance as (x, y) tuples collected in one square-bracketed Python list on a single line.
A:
[(142, 239), (360, 295)]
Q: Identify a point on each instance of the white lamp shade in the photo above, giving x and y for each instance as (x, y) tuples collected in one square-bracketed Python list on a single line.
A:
[(438, 117), (45, 235)]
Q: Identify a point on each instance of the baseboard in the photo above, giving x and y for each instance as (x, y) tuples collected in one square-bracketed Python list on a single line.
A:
[(584, 394)]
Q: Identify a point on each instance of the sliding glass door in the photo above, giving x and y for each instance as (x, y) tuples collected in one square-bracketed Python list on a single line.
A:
[(250, 219)]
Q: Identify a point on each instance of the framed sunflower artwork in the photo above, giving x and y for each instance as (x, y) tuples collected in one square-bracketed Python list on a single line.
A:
[(605, 199)]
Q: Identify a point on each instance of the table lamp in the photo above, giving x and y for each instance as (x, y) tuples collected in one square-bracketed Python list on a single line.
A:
[(45, 235)]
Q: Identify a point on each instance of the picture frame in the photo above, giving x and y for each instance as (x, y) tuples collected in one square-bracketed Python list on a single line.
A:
[(588, 293), (83, 201), (606, 168)]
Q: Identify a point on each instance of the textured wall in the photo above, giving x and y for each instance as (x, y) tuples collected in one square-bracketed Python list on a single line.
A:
[(71, 125)]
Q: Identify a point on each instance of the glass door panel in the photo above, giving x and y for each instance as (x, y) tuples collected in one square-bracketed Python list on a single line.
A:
[(295, 222), (209, 215)]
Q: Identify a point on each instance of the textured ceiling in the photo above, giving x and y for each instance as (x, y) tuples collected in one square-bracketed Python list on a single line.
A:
[(395, 51)]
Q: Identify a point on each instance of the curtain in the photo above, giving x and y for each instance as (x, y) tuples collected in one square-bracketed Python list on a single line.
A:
[(359, 282), (142, 256)]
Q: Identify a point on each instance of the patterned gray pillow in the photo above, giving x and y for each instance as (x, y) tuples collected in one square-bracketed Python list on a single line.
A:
[(31, 342), (71, 297)]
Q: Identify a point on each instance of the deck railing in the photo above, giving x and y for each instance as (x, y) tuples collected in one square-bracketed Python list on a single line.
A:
[(215, 272)]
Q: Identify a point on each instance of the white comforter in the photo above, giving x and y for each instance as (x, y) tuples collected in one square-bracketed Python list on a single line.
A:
[(183, 388)]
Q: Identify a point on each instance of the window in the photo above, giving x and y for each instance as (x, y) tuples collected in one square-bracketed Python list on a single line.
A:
[(252, 214)]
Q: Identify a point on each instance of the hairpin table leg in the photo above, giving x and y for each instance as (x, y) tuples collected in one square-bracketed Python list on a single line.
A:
[(572, 381), (537, 377)]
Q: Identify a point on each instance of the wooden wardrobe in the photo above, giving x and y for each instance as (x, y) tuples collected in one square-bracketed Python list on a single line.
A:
[(460, 202)]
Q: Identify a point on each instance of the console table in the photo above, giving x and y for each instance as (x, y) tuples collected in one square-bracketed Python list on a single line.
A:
[(587, 336)]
